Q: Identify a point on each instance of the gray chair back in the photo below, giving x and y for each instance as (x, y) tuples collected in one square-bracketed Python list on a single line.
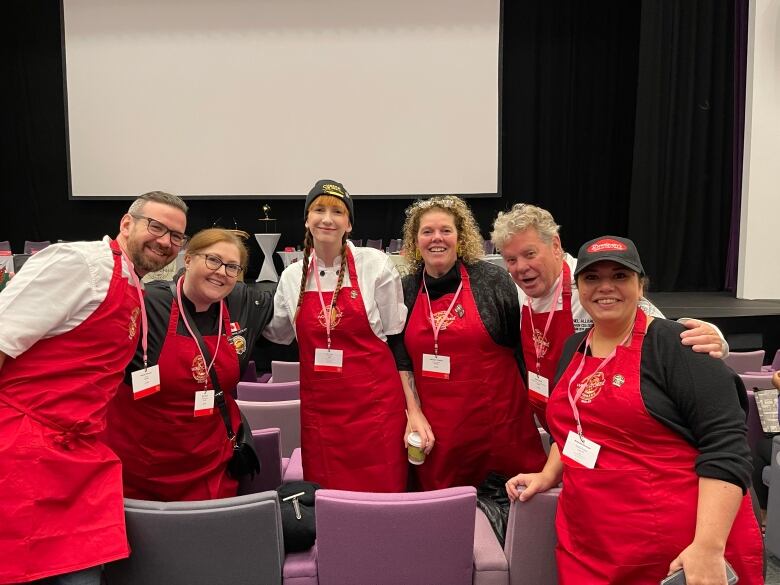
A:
[(531, 540), (285, 371), (232, 540)]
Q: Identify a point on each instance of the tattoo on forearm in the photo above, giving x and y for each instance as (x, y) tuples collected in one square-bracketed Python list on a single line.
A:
[(410, 380)]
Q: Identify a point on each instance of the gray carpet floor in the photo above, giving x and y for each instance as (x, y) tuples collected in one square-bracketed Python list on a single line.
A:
[(773, 571)]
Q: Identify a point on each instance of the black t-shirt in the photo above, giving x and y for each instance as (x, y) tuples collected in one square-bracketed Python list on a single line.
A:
[(695, 395), (250, 311)]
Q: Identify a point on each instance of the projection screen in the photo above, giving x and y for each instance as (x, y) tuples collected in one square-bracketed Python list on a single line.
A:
[(259, 98)]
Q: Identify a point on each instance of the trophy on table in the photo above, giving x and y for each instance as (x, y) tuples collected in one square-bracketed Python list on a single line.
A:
[(267, 239)]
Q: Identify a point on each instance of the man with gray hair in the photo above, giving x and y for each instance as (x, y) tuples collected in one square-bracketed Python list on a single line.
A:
[(71, 321), (527, 238)]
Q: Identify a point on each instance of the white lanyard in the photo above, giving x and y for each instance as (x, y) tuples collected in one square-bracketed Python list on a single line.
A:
[(551, 312), (583, 385), (144, 328), (313, 268), (437, 327), (187, 325)]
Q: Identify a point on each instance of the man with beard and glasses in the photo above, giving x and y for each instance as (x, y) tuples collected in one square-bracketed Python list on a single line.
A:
[(71, 321)]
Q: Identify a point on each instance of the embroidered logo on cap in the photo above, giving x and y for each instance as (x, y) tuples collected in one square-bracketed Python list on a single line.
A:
[(607, 245), (335, 190)]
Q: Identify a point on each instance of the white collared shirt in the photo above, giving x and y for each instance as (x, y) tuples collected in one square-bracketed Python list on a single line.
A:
[(380, 287), (57, 289)]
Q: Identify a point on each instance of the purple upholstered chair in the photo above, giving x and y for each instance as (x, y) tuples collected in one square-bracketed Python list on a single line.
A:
[(31, 247), (282, 414), (745, 361), (423, 538), (285, 371), (776, 362), (268, 444), (376, 244), (250, 372), (760, 381), (268, 391)]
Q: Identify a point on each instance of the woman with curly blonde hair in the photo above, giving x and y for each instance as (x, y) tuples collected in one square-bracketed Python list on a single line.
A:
[(457, 355)]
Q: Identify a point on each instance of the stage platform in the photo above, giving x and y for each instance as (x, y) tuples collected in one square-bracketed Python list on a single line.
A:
[(747, 324)]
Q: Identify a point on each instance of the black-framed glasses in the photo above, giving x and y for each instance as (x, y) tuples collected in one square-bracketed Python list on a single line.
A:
[(159, 229), (215, 263)]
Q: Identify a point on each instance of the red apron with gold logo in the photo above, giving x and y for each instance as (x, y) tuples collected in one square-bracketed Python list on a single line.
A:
[(61, 508), (167, 453), (550, 345), (480, 416), (353, 421), (625, 520)]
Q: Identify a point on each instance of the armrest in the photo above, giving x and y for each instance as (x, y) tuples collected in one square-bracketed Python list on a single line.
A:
[(294, 470), (490, 564)]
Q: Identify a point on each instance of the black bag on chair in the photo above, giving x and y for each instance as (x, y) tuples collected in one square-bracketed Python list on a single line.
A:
[(296, 500), (493, 500), (244, 460)]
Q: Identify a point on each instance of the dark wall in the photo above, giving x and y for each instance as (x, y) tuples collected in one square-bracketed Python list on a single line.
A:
[(569, 106)]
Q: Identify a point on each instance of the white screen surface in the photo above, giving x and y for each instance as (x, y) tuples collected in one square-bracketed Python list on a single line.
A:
[(263, 97)]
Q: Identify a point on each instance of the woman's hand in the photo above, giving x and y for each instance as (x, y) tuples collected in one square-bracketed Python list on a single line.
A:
[(775, 379), (701, 565), (416, 421), (533, 482)]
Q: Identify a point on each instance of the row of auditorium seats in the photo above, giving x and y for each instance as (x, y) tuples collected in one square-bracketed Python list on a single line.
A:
[(752, 362), (30, 247), (425, 538)]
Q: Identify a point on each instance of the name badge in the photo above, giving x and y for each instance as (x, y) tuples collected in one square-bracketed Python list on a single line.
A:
[(204, 402), (539, 385), (145, 381), (328, 360), (581, 452), (436, 366)]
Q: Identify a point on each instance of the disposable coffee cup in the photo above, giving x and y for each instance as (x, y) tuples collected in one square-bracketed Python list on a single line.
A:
[(415, 452)]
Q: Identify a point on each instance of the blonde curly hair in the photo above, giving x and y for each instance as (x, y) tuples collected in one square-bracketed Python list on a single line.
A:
[(470, 243)]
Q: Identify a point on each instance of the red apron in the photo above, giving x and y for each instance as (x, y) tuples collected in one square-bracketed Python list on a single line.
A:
[(61, 508), (627, 519), (167, 453), (550, 345), (480, 416), (353, 421)]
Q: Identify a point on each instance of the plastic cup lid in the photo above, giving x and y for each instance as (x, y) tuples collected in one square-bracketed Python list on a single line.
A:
[(414, 439)]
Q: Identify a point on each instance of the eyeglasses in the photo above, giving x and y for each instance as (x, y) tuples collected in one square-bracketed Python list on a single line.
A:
[(215, 263), (158, 229)]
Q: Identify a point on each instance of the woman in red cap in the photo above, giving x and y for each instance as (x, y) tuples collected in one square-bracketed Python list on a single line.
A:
[(341, 302), (650, 442)]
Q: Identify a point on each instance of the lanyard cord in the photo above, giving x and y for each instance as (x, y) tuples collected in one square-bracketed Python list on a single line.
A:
[(187, 325), (551, 312), (144, 327), (437, 326)]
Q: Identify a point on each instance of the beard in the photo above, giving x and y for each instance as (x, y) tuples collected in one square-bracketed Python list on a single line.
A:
[(135, 250)]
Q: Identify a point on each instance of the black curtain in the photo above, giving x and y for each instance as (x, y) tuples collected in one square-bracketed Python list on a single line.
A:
[(682, 173), (570, 99)]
